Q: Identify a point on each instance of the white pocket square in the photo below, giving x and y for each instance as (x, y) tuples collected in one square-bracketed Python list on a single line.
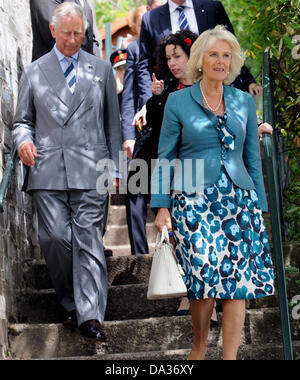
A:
[(97, 79)]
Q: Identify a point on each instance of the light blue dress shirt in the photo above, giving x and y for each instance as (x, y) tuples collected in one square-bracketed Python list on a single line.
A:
[(64, 61)]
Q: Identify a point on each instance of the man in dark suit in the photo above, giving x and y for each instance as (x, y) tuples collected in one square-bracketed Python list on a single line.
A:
[(41, 13), (201, 15), (136, 204)]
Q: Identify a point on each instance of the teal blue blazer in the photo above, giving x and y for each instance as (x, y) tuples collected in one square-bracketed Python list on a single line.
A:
[(189, 131)]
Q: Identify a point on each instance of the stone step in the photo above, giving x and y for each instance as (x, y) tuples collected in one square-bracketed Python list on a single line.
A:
[(53, 340), (146, 335), (124, 302), (122, 270), (246, 352), (118, 234), (117, 215), (125, 250)]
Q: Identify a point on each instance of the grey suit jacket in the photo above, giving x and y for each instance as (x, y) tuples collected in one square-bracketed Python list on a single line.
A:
[(71, 132)]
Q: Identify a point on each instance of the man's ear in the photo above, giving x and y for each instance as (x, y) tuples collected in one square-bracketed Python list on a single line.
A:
[(52, 30)]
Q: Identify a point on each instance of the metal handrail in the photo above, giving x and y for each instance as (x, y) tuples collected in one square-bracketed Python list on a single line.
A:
[(274, 200), (6, 176), (108, 41)]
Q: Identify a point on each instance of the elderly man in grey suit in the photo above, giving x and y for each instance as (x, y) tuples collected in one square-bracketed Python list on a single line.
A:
[(67, 119)]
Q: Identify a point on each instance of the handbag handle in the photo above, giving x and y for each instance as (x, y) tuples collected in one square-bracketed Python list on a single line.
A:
[(163, 236)]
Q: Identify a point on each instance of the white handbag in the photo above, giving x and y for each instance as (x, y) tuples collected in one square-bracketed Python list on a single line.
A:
[(166, 274)]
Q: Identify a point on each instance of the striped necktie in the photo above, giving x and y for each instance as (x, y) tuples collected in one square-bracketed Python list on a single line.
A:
[(182, 21), (70, 76)]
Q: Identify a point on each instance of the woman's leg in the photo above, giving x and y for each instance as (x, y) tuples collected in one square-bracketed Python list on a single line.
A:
[(233, 320), (201, 311), (184, 309)]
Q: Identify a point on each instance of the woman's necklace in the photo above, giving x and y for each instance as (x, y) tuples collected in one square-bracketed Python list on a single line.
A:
[(220, 101)]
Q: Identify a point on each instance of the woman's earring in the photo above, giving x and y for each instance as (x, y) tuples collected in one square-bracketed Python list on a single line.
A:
[(200, 69)]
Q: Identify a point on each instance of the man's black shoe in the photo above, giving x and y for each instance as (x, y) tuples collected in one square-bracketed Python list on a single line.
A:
[(70, 319), (92, 329), (107, 252)]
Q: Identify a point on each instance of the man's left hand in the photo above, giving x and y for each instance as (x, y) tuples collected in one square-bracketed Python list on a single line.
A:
[(264, 128), (255, 90)]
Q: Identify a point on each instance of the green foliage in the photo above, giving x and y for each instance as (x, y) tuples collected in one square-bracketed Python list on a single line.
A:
[(274, 25), (111, 10), (293, 280), (292, 199)]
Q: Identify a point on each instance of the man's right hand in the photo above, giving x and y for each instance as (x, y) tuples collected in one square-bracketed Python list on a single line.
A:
[(28, 153), (128, 146), (141, 115)]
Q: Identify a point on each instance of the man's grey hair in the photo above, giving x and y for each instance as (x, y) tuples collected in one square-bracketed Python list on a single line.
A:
[(66, 9)]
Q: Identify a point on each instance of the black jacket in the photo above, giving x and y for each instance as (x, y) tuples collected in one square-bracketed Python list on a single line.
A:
[(147, 142), (41, 13)]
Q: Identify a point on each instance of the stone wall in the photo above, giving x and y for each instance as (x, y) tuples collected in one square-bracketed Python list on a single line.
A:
[(16, 222)]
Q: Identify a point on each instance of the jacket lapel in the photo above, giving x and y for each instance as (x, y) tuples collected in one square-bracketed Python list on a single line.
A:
[(197, 96), (232, 106), (201, 15), (234, 109), (55, 77), (229, 99), (165, 21)]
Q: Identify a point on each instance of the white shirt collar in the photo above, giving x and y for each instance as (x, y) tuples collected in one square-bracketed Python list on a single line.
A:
[(173, 6)]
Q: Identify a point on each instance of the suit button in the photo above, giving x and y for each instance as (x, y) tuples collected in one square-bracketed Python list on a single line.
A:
[(87, 147)]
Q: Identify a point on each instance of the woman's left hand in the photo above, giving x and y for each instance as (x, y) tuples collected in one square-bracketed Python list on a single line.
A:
[(264, 128)]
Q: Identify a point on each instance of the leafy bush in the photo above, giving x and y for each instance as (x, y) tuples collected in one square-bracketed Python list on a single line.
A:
[(111, 10), (274, 25)]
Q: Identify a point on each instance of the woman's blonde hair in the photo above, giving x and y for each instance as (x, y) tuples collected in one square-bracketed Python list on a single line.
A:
[(204, 41)]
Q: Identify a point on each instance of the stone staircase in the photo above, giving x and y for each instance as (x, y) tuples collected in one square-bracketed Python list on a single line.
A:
[(136, 328)]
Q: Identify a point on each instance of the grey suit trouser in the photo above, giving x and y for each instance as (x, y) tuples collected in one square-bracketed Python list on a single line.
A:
[(70, 236)]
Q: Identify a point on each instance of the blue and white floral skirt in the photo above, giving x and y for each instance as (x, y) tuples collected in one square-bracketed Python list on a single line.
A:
[(221, 242)]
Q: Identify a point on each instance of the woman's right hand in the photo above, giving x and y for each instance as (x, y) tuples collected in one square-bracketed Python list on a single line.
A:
[(163, 218), (157, 86)]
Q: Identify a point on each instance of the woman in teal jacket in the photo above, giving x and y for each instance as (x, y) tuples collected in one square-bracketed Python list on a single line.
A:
[(208, 187)]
